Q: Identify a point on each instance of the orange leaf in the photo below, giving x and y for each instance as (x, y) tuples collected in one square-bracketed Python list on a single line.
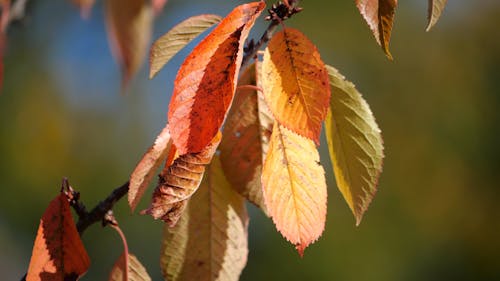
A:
[(295, 83), (178, 182), (294, 187), (379, 14), (144, 171), (129, 24), (205, 84), (58, 253), (246, 136)]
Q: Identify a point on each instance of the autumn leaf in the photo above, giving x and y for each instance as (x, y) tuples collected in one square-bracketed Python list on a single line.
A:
[(178, 182), (355, 144), (129, 25), (206, 82), (379, 14), (436, 7), (136, 270), (294, 187), (246, 136), (179, 36), (146, 168), (85, 7), (58, 253), (158, 6), (295, 83), (210, 240)]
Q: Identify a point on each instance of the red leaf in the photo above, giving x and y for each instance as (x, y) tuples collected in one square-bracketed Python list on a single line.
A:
[(58, 253), (206, 82)]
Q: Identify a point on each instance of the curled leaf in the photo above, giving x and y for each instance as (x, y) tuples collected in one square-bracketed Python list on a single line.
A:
[(436, 7), (178, 182), (146, 168), (205, 84), (210, 240), (58, 253), (379, 14), (295, 83), (355, 144), (177, 38), (295, 187), (246, 136), (129, 24)]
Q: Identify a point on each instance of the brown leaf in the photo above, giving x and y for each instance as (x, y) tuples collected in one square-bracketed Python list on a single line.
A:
[(129, 24), (178, 182), (146, 168), (436, 7), (210, 240), (206, 82), (136, 271), (246, 136), (295, 83), (379, 14), (58, 253)]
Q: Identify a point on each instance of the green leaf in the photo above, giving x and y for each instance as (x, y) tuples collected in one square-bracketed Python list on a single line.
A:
[(177, 38), (355, 144), (436, 7), (210, 240)]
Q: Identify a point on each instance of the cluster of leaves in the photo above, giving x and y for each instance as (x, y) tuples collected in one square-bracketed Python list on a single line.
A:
[(232, 138)]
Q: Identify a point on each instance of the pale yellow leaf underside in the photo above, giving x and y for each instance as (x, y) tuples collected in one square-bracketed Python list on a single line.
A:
[(294, 187), (355, 144), (136, 271), (210, 240), (177, 38), (436, 8)]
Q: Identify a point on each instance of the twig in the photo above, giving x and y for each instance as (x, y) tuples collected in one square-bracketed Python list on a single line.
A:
[(277, 14)]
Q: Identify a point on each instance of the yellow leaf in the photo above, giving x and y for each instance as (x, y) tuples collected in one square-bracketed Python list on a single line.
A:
[(129, 24), (178, 182), (179, 36), (379, 14), (136, 271), (295, 83), (246, 136), (436, 7), (146, 168), (294, 187), (355, 144), (210, 240)]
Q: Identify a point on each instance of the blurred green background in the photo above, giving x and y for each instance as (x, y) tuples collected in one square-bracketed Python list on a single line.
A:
[(435, 217)]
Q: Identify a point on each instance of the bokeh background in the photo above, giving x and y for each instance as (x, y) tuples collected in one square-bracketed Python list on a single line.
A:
[(436, 215)]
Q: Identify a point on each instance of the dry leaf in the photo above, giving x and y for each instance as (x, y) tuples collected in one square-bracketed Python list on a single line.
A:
[(246, 136), (295, 83), (178, 182), (295, 187), (146, 168), (436, 8), (205, 84), (210, 240), (177, 38), (136, 271), (58, 253), (355, 144)]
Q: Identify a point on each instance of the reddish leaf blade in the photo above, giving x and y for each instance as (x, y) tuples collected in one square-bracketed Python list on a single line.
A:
[(58, 253), (436, 8), (85, 7), (179, 182), (295, 83), (129, 24), (146, 168), (210, 242), (294, 187), (379, 14), (158, 6), (205, 84), (246, 136)]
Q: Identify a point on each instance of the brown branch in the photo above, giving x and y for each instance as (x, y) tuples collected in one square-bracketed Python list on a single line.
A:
[(277, 14)]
